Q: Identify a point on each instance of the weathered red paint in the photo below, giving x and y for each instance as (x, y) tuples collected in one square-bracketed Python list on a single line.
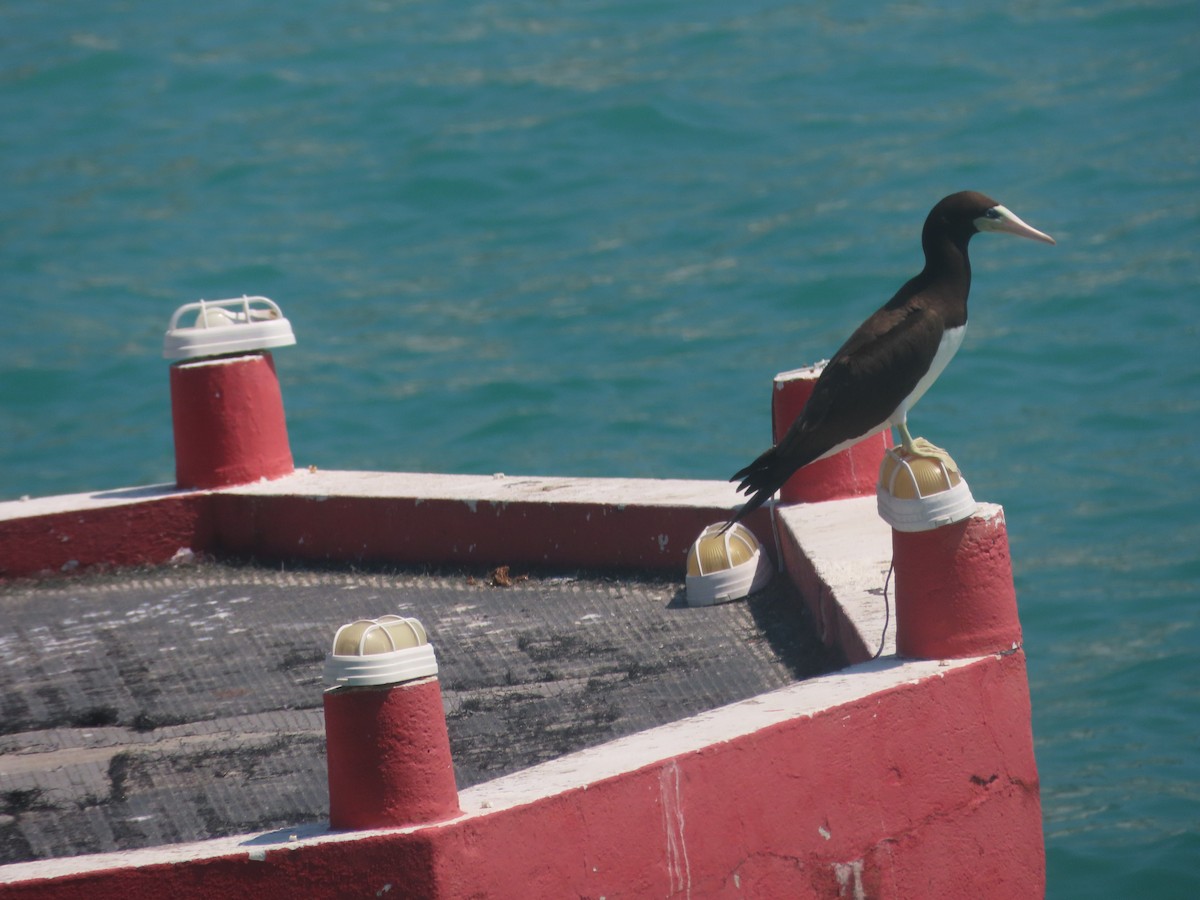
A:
[(389, 756), (954, 589), (850, 473), (432, 531), (141, 532), (415, 530), (927, 789), (228, 421), (375, 861)]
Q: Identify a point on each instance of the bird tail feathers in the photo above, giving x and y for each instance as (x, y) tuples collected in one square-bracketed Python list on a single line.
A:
[(761, 479)]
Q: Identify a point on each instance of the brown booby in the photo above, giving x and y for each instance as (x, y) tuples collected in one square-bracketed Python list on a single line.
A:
[(885, 367)]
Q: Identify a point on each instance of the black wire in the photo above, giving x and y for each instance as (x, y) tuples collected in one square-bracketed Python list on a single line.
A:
[(887, 611)]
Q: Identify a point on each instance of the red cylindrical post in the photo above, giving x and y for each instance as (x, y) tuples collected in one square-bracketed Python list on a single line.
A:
[(851, 473), (954, 589), (228, 421), (388, 754)]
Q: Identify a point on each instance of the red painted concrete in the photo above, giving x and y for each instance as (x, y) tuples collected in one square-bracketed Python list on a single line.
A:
[(927, 789), (417, 530), (850, 473), (317, 872), (954, 590), (425, 531), (228, 421), (389, 756), (132, 534)]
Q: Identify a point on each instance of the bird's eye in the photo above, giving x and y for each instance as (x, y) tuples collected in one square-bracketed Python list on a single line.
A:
[(992, 213)]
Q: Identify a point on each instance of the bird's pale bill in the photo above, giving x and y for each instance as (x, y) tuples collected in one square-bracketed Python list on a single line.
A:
[(1001, 218)]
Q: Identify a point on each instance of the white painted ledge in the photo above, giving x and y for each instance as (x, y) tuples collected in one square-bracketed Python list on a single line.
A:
[(28, 508), (319, 484), (497, 488), (850, 548)]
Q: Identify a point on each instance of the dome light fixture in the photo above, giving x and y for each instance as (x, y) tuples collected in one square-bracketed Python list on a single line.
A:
[(922, 492), (222, 327), (725, 563), (387, 650)]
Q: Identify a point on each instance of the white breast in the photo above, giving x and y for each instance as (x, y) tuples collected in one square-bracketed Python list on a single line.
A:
[(952, 339)]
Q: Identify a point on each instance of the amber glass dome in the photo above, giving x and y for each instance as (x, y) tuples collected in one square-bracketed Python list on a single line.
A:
[(920, 493), (725, 563)]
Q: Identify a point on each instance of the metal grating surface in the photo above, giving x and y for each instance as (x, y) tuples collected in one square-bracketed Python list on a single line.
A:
[(151, 707)]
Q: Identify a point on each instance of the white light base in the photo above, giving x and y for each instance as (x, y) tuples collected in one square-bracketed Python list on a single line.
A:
[(242, 325), (732, 582), (927, 513), (373, 669)]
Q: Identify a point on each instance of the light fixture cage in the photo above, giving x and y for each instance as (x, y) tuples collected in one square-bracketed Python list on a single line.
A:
[(387, 650), (223, 327), (921, 493), (726, 562)]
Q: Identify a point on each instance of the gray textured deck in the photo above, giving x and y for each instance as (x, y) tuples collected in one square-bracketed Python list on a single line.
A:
[(151, 707)]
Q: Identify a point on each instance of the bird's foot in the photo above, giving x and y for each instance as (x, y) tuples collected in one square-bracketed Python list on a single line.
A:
[(922, 448)]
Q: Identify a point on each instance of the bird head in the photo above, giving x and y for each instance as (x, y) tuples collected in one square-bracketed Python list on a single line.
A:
[(977, 212)]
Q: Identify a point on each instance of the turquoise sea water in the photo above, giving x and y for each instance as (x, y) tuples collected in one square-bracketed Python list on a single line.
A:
[(581, 237)]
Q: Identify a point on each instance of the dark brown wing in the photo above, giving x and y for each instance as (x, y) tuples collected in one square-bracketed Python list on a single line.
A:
[(858, 390), (865, 381)]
